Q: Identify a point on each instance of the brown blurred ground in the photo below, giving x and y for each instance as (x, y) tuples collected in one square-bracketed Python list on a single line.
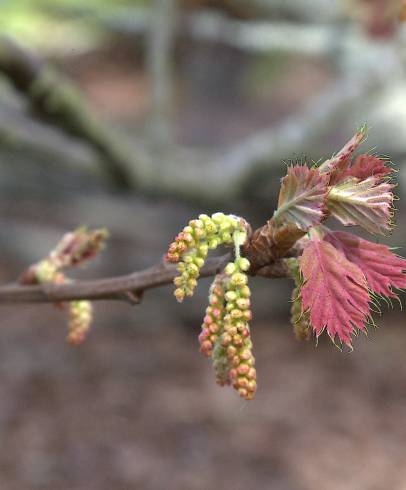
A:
[(137, 408)]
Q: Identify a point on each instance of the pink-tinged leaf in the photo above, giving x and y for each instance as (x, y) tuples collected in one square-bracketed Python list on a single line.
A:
[(383, 269), (302, 197), (340, 162), (365, 203), (365, 166), (335, 291)]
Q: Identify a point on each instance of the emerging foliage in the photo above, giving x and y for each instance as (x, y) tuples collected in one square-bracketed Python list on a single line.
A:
[(337, 274), (382, 268), (336, 165), (366, 203), (302, 197), (335, 291), (366, 166)]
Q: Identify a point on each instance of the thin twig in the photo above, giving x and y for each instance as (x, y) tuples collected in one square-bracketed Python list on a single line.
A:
[(128, 287)]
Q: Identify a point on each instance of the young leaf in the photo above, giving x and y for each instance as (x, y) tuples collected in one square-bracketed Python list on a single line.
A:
[(365, 166), (364, 203), (342, 159), (383, 269), (334, 292), (302, 197)]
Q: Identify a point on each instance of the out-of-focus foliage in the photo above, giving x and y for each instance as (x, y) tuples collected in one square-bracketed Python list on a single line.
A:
[(62, 26)]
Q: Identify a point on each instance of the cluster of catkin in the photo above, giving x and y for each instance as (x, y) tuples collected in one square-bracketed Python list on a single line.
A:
[(193, 243), (74, 249), (225, 336)]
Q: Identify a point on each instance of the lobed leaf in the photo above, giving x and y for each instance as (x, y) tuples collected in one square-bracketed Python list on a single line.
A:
[(364, 203), (383, 269), (340, 162), (335, 291), (365, 166), (302, 197)]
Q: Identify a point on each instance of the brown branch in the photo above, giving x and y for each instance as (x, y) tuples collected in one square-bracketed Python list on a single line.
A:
[(128, 287), (56, 101)]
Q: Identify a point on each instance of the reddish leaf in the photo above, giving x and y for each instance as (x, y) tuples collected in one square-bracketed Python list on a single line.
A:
[(302, 197), (365, 166), (366, 203), (382, 269), (335, 291), (340, 162)]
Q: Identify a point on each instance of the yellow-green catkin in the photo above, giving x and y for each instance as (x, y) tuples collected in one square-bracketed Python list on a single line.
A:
[(235, 341), (300, 320), (212, 326), (193, 243), (80, 319), (74, 249)]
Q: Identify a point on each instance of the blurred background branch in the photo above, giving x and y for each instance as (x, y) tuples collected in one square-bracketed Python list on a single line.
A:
[(56, 101)]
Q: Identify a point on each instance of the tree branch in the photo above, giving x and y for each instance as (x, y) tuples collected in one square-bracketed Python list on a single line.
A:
[(56, 101), (128, 287), (159, 54)]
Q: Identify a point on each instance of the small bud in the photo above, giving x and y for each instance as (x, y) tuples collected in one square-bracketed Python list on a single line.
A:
[(230, 307), (193, 270), (191, 283), (244, 393), (210, 227), (236, 314), (226, 237), (231, 351), (243, 369), (239, 279), (226, 340), (244, 264), (203, 250), (179, 294), (199, 234), (243, 303), (247, 315), (178, 281), (231, 296), (218, 217), (213, 243), (230, 269), (214, 328), (199, 262), (245, 292)]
